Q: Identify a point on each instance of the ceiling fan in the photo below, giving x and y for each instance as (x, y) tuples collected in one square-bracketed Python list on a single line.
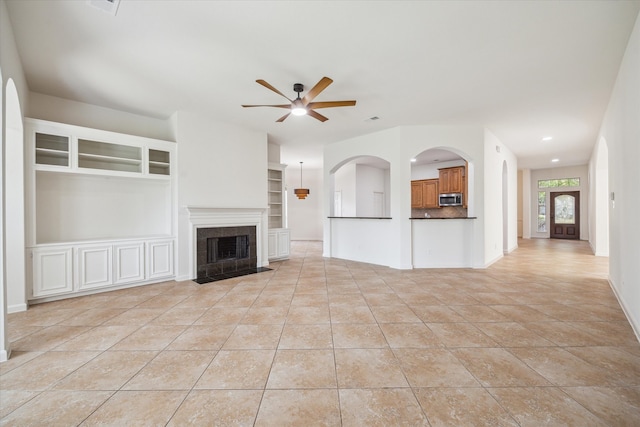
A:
[(300, 107)]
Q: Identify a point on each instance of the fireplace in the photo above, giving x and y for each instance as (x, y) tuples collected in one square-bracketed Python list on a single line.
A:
[(218, 229), (224, 251)]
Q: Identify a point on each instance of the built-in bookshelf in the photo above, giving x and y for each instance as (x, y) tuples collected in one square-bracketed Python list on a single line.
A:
[(279, 237), (108, 156), (275, 197), (52, 149), (100, 210)]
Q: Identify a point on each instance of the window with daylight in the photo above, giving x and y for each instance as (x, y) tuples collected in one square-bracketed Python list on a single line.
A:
[(542, 211), (554, 183)]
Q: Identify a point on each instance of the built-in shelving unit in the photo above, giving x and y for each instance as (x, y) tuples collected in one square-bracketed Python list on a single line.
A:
[(276, 218), (279, 236), (159, 162), (101, 210), (52, 149), (111, 157)]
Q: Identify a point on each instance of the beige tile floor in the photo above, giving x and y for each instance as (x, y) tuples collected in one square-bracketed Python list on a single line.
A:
[(536, 339)]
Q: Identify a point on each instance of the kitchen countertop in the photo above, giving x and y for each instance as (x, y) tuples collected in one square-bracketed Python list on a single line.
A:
[(361, 217), (460, 217)]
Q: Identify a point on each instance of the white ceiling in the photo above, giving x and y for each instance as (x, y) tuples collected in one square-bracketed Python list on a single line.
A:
[(523, 69)]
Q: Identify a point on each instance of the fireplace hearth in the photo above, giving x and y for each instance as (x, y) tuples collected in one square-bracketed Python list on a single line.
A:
[(225, 252)]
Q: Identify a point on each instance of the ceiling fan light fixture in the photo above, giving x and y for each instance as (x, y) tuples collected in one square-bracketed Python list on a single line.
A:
[(303, 106), (298, 108)]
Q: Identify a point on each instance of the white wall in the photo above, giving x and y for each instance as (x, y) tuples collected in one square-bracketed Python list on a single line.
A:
[(495, 155), (519, 203), (305, 216), (219, 166), (61, 110), (344, 182), (10, 69), (621, 130), (431, 170), (581, 172), (599, 200), (76, 204), (10, 59), (370, 180), (527, 201), (14, 199), (273, 153)]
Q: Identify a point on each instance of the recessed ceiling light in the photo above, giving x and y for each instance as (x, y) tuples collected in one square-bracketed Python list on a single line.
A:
[(547, 138), (555, 160), (413, 160)]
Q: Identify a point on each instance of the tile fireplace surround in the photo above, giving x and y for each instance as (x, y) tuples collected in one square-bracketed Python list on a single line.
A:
[(207, 217)]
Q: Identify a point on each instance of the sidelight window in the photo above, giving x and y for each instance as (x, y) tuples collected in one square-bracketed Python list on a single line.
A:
[(542, 211)]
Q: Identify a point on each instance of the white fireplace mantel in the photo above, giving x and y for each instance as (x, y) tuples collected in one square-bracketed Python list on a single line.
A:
[(203, 217)]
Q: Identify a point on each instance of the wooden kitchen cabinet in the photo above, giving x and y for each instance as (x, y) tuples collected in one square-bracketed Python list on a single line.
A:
[(424, 193), (452, 180)]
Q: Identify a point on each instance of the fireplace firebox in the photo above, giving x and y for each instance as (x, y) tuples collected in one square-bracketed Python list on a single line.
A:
[(227, 248), (224, 251)]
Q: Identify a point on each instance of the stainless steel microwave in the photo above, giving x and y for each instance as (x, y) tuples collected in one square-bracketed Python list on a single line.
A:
[(453, 199)]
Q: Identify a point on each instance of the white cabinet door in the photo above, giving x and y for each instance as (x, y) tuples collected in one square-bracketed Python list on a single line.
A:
[(283, 243), (273, 244), (94, 266), (52, 271), (159, 259), (128, 262), (279, 243)]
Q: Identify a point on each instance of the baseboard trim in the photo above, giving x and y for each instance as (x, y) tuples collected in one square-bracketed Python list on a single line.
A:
[(493, 261), (4, 355), (16, 308), (634, 325)]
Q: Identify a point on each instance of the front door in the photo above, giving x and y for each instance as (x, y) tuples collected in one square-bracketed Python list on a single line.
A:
[(565, 215)]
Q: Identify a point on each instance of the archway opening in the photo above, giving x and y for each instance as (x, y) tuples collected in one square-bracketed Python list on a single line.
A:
[(505, 208), (14, 202), (441, 184), (360, 188)]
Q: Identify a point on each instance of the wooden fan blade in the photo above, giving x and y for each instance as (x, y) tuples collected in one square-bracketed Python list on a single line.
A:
[(317, 116), (329, 104), (268, 86), (281, 119), (315, 91), (276, 106)]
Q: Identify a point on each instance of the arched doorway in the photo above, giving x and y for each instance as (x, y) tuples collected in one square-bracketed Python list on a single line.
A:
[(14, 202), (505, 208), (360, 188), (4, 336)]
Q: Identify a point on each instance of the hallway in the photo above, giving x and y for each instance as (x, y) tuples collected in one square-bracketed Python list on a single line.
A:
[(536, 339)]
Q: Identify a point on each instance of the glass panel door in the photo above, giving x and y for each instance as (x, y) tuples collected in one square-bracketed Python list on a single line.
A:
[(565, 208)]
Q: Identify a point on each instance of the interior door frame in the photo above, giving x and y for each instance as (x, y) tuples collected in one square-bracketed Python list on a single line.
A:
[(552, 209)]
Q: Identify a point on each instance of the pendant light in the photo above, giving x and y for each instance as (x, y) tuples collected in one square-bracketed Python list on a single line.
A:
[(301, 193)]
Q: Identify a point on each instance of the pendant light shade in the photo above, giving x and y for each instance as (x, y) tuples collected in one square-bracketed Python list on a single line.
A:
[(301, 193)]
